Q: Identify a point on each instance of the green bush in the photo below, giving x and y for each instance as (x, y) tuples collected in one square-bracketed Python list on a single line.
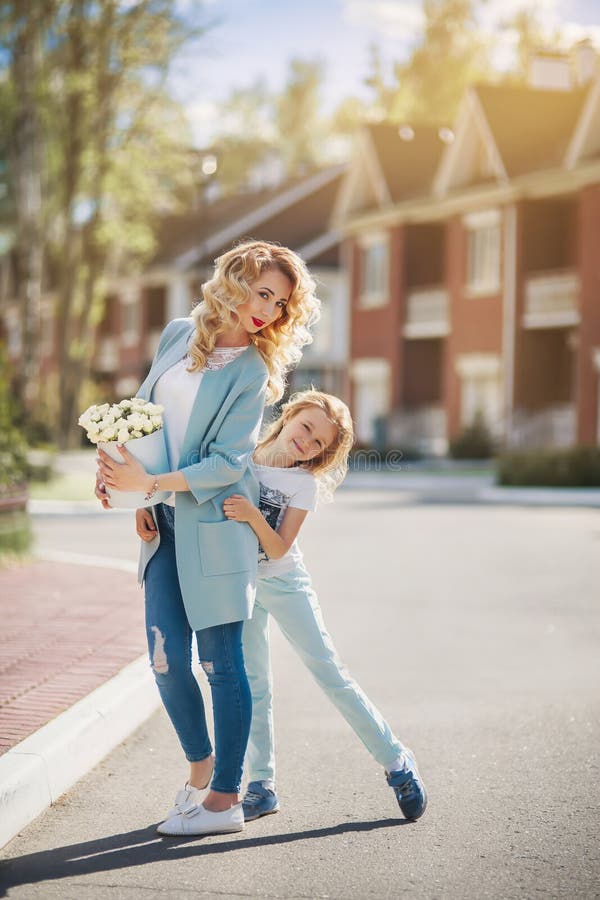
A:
[(474, 442), (13, 449), (575, 467)]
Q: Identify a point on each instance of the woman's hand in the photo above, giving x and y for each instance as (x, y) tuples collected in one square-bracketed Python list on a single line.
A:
[(239, 508), (144, 525), (100, 491), (130, 475)]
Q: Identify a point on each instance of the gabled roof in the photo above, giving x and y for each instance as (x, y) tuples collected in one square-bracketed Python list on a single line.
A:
[(408, 165), (531, 127), (296, 214), (386, 167), (585, 143)]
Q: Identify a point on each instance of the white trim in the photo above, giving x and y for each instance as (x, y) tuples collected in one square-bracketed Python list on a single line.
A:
[(354, 173), (246, 223), (478, 365), (482, 218), (590, 112), (370, 298), (471, 125), (369, 368), (319, 245), (548, 183), (371, 238), (129, 299), (372, 159)]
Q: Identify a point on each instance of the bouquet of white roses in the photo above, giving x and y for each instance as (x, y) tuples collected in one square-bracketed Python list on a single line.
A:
[(124, 421), (137, 423)]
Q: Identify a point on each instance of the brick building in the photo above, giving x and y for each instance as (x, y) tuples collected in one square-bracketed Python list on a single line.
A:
[(295, 214), (474, 266)]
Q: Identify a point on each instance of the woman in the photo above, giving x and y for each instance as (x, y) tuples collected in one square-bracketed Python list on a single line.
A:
[(212, 373)]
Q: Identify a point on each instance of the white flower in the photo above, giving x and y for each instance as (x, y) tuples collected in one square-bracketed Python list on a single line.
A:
[(121, 421)]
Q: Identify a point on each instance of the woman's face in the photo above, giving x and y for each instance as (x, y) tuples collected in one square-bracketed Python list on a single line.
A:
[(269, 295)]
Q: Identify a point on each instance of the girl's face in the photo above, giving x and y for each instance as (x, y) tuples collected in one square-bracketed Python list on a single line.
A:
[(305, 435), (269, 295)]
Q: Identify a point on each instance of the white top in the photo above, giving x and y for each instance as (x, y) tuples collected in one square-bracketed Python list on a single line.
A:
[(176, 390), (280, 489)]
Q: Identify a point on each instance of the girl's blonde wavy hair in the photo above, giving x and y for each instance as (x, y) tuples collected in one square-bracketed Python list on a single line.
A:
[(280, 344), (331, 465)]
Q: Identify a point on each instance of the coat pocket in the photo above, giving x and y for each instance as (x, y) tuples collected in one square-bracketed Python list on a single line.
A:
[(226, 547)]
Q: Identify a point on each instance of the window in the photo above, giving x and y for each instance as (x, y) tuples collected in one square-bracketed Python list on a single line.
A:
[(130, 319), (374, 264), (483, 252)]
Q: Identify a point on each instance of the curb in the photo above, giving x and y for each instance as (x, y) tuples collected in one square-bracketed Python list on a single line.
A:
[(35, 773)]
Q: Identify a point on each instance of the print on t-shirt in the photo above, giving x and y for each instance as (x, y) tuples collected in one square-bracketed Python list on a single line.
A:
[(271, 504)]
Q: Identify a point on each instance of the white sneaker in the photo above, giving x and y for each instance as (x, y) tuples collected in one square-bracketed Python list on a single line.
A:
[(199, 820), (187, 796)]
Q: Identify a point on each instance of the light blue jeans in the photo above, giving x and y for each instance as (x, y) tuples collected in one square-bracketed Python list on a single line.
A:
[(220, 653), (293, 603)]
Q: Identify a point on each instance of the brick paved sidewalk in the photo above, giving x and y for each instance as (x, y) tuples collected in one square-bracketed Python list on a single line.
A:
[(66, 629)]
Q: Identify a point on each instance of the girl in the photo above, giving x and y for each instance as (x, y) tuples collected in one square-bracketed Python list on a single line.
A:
[(304, 452), (211, 373)]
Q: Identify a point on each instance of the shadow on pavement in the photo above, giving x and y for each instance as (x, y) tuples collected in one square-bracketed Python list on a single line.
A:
[(144, 846)]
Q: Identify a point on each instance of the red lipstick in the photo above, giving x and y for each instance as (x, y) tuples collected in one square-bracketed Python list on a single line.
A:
[(258, 322)]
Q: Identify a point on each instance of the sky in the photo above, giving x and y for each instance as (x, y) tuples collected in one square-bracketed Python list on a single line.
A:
[(255, 39)]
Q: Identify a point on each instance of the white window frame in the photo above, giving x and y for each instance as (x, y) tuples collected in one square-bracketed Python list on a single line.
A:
[(484, 252), (374, 270), (130, 310)]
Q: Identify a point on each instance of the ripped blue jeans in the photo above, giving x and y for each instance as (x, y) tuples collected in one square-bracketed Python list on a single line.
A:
[(220, 653)]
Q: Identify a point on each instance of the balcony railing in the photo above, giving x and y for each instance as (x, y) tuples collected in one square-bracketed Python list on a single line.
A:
[(426, 313), (551, 300), (107, 355), (423, 428), (555, 426)]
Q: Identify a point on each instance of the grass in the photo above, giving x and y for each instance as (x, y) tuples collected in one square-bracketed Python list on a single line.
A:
[(68, 486)]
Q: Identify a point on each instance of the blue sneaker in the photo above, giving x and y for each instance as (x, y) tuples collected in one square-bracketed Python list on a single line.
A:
[(408, 788), (259, 801)]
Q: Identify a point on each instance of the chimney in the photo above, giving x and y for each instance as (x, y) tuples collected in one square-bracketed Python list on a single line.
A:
[(550, 71), (585, 60)]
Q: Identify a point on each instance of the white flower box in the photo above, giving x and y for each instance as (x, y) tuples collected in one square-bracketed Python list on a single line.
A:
[(150, 450)]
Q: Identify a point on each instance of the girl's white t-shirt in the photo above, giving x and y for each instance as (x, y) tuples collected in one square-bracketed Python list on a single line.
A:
[(280, 489), (176, 390)]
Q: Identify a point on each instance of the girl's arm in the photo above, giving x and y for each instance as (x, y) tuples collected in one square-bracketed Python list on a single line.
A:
[(275, 543)]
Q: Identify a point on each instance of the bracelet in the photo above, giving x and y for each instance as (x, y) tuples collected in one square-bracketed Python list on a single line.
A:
[(152, 490)]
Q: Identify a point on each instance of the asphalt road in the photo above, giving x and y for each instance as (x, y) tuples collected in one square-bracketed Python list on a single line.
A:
[(475, 629)]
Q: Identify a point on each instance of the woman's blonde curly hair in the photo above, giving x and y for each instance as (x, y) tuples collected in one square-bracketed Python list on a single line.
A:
[(280, 344), (331, 465)]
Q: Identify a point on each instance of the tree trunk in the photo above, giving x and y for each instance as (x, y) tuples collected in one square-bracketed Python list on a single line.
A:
[(26, 164)]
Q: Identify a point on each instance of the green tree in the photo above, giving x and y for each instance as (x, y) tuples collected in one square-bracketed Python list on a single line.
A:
[(116, 156), (300, 128), (22, 98), (246, 136), (450, 56)]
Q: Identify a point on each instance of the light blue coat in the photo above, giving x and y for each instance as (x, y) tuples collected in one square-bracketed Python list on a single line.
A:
[(216, 557)]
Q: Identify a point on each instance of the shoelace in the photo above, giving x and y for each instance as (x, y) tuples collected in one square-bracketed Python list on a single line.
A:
[(252, 797), (407, 788)]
